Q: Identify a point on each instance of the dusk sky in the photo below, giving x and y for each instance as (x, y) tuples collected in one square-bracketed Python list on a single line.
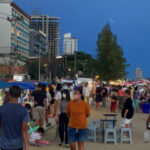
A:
[(129, 19)]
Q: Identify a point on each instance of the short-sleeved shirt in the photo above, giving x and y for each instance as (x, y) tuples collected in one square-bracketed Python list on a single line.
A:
[(39, 97), (105, 92), (87, 91), (58, 96), (63, 106), (34, 136), (48, 99), (11, 117), (121, 93), (128, 105), (78, 114)]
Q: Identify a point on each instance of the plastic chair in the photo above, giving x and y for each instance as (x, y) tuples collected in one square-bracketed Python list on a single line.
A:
[(110, 135), (98, 124), (92, 131), (109, 125), (123, 135)]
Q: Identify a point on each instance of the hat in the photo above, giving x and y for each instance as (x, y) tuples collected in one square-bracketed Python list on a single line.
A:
[(6, 90)]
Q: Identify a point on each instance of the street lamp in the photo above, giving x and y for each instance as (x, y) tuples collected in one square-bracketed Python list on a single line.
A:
[(49, 55), (38, 38), (69, 69), (45, 65)]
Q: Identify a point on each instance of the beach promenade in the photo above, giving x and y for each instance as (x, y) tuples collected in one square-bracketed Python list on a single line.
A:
[(138, 133)]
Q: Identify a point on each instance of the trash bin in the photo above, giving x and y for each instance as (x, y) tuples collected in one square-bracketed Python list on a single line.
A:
[(146, 108)]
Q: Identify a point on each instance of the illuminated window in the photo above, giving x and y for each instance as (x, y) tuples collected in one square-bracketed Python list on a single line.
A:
[(12, 30), (18, 33)]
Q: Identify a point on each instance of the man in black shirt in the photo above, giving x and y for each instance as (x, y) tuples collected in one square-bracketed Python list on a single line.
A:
[(39, 97), (128, 110)]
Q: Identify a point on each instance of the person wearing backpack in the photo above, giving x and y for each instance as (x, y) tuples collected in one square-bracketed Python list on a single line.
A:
[(128, 110)]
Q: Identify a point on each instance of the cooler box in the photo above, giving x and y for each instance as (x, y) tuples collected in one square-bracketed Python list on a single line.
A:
[(146, 107)]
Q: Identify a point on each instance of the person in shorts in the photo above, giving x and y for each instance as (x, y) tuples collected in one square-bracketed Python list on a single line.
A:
[(86, 92), (39, 103), (77, 111), (52, 102), (128, 110)]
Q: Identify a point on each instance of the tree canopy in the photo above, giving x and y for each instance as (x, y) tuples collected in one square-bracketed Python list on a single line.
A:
[(84, 63), (34, 70), (110, 57)]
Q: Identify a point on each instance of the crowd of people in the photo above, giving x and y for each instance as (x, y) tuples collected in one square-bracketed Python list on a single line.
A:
[(69, 105)]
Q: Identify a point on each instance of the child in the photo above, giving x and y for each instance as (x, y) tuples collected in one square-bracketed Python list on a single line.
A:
[(36, 136)]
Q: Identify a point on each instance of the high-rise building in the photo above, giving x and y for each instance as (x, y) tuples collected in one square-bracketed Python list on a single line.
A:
[(37, 43), (50, 26), (14, 33), (139, 73), (70, 45)]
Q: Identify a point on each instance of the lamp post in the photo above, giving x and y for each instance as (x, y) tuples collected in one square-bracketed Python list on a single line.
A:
[(69, 70), (75, 64), (46, 69), (51, 42), (39, 65), (40, 47)]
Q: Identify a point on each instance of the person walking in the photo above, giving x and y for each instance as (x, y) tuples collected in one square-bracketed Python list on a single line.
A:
[(128, 110), (52, 102), (47, 105), (63, 118), (121, 97), (104, 96), (113, 103), (6, 96), (136, 96), (39, 97), (98, 97), (13, 120), (77, 111), (58, 98), (86, 92)]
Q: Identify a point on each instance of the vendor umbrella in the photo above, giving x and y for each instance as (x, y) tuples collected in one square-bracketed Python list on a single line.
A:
[(24, 85), (4, 84)]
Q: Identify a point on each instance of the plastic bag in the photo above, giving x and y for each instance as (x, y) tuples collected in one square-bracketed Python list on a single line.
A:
[(147, 136)]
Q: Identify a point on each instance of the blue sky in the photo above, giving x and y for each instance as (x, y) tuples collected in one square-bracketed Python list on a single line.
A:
[(85, 18)]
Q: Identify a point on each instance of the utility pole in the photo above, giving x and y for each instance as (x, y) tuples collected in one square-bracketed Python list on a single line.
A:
[(49, 61), (39, 64), (75, 64)]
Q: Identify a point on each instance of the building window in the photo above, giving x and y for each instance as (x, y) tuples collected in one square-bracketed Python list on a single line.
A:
[(12, 30)]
